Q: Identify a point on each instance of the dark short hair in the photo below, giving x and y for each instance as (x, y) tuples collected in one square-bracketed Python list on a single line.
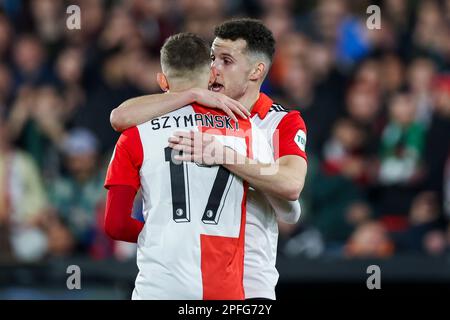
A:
[(258, 37), (184, 52)]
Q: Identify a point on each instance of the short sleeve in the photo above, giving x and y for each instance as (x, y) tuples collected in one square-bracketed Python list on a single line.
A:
[(261, 148), (290, 136), (126, 160)]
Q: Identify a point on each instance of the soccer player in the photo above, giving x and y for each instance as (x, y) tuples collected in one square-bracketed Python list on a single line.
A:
[(191, 245), (241, 55)]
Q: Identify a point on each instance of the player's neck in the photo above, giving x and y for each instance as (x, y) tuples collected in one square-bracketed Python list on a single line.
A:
[(180, 86), (249, 98)]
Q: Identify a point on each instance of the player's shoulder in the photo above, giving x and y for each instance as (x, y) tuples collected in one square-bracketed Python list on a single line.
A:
[(288, 116), (129, 136), (199, 108), (278, 108), (132, 131)]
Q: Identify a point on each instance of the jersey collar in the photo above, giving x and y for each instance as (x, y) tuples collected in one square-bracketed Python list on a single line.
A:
[(262, 106)]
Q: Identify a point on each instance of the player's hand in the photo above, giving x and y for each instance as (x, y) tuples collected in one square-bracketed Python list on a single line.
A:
[(220, 101), (198, 147)]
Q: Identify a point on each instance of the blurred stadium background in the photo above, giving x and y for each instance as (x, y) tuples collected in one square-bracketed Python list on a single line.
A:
[(376, 104)]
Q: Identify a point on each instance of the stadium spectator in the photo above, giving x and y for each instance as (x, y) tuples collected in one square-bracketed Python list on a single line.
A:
[(6, 83), (437, 149), (345, 152), (76, 196), (5, 37), (401, 151), (425, 230), (370, 240), (23, 203), (421, 72), (35, 123), (343, 78)]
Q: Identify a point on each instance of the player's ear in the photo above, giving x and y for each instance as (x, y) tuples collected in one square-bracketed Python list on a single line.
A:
[(162, 81), (258, 71)]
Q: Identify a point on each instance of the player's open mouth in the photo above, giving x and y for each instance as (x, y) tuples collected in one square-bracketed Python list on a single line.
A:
[(216, 87)]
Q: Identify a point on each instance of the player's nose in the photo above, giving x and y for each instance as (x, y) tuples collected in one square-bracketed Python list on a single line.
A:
[(214, 70), (213, 74), (215, 64)]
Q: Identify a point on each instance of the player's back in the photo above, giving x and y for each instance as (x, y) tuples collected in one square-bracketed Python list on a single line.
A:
[(192, 243)]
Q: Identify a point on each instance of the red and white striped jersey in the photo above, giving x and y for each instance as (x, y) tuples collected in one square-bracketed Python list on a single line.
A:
[(192, 243), (285, 131)]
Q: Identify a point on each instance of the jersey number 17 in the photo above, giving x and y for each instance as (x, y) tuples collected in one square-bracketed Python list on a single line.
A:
[(179, 182)]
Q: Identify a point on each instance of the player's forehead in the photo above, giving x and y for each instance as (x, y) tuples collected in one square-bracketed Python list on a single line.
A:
[(234, 48)]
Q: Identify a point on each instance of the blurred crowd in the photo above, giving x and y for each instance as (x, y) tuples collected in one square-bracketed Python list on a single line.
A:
[(376, 104)]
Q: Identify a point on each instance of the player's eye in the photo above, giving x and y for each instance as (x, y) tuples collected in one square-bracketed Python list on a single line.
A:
[(213, 57), (227, 61)]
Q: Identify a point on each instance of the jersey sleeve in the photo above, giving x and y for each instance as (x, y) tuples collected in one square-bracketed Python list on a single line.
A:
[(126, 161), (119, 225), (262, 152), (290, 136)]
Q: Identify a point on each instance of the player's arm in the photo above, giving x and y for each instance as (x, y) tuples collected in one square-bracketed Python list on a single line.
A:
[(138, 110), (285, 210), (284, 179), (123, 181), (119, 225)]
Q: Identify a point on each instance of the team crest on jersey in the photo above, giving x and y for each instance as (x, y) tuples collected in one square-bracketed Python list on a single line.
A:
[(300, 139)]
